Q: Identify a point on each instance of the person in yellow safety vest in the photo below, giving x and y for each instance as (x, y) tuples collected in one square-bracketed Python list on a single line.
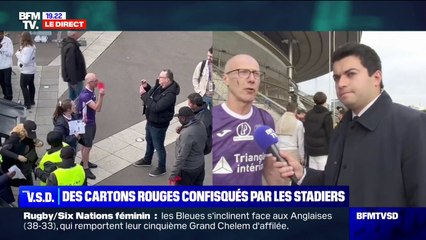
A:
[(68, 173), (51, 159)]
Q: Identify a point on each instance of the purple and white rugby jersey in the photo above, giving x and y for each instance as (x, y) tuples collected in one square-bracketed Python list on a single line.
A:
[(237, 159)]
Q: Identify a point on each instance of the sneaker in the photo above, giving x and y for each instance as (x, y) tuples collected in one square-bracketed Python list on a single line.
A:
[(157, 172), (91, 165), (89, 174), (142, 163)]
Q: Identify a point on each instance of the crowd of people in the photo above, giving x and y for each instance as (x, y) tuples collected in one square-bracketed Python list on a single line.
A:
[(18, 152), (57, 167)]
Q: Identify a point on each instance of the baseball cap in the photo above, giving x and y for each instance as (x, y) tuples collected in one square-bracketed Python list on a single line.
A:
[(30, 127)]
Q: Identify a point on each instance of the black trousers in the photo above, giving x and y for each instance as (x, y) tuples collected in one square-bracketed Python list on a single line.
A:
[(6, 83), (192, 178), (27, 88)]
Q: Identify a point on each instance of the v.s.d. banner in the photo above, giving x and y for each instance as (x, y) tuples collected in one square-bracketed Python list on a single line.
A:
[(210, 212), (172, 197)]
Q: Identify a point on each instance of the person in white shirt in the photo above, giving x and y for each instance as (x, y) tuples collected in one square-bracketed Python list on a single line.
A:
[(6, 53), (27, 64), (290, 133), (202, 79)]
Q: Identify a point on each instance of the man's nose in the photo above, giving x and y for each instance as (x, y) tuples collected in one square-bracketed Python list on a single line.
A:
[(342, 82)]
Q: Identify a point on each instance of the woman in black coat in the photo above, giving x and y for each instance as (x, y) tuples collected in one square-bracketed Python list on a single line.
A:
[(62, 115), (19, 150)]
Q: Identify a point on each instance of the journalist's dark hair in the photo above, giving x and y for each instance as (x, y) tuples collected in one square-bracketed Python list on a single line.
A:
[(169, 74), (320, 98), (211, 50), (61, 107), (369, 58)]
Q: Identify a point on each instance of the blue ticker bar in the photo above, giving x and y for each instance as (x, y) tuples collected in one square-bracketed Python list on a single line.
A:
[(172, 197)]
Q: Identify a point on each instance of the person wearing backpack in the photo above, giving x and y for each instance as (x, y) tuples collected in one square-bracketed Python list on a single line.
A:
[(189, 150), (202, 79)]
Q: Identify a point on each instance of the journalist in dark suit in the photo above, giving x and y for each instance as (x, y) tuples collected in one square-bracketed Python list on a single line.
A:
[(379, 148)]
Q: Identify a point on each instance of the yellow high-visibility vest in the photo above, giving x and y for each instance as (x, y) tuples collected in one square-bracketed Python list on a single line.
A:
[(54, 158), (74, 176)]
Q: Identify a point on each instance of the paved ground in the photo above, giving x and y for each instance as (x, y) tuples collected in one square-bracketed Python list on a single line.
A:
[(121, 59)]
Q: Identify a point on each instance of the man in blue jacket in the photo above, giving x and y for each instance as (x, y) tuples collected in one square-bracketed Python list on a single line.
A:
[(159, 108), (378, 149)]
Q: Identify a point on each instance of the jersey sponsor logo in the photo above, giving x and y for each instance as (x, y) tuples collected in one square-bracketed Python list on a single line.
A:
[(222, 167), (243, 132), (223, 133)]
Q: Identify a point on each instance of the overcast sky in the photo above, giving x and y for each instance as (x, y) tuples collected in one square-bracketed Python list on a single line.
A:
[(403, 56)]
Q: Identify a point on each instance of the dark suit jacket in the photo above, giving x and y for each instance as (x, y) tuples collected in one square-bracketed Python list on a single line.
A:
[(381, 156)]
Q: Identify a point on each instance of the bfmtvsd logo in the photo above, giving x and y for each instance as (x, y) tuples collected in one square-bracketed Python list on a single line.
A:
[(29, 19)]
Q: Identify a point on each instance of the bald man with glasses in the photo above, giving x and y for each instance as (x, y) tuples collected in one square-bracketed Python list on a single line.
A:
[(237, 160), (89, 105)]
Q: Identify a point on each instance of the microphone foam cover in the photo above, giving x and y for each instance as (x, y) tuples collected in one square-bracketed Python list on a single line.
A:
[(265, 136)]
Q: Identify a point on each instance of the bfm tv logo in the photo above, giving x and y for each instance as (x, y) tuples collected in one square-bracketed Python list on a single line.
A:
[(29, 19), (50, 21)]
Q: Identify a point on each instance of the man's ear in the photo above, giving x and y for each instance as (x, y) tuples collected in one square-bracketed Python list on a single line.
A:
[(226, 79), (377, 78)]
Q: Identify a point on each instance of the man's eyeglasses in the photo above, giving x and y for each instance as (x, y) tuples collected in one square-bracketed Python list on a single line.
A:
[(245, 73)]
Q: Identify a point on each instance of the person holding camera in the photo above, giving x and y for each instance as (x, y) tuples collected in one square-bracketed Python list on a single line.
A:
[(159, 107), (27, 64)]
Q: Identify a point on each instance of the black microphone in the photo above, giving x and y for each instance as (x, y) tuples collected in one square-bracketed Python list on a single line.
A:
[(267, 139)]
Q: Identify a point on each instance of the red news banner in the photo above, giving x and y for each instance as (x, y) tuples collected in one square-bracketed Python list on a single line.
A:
[(51, 21), (68, 24)]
